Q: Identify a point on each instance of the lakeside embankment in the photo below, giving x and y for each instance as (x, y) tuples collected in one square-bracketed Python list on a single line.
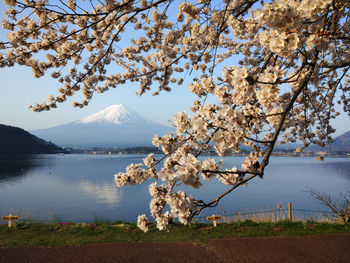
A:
[(236, 242), (64, 234)]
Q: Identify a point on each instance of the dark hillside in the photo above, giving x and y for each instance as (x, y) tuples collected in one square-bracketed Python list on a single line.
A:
[(17, 140)]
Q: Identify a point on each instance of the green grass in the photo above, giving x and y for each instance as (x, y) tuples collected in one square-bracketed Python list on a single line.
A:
[(35, 234)]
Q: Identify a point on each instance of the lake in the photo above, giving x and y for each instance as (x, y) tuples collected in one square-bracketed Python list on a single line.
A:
[(80, 187)]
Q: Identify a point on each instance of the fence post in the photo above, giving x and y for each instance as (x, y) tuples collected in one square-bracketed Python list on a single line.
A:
[(290, 212)]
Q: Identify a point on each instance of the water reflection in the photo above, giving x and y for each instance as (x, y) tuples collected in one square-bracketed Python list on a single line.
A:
[(105, 193), (15, 167), (341, 169), (74, 187)]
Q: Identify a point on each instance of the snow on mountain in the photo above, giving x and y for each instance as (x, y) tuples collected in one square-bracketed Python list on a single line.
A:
[(115, 114), (115, 126)]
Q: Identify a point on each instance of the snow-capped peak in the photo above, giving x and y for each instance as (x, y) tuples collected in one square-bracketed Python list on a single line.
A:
[(115, 114)]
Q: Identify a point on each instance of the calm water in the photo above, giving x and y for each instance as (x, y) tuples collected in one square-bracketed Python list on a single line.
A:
[(81, 187)]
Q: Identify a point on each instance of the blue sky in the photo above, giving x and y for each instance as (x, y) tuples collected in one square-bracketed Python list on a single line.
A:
[(19, 89)]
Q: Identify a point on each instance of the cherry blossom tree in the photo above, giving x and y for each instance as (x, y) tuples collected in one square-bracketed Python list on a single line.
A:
[(275, 68)]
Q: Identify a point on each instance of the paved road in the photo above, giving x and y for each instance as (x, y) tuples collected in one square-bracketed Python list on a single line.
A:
[(331, 248)]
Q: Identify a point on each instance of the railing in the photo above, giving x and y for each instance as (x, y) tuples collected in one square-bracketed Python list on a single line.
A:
[(278, 214)]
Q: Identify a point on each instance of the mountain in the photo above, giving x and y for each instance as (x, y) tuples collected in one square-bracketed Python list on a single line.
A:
[(341, 143), (17, 140), (115, 126)]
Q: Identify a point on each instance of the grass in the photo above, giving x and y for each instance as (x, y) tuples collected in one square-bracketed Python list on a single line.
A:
[(38, 234)]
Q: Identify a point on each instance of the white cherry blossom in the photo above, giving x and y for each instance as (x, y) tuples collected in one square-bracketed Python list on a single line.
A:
[(274, 69)]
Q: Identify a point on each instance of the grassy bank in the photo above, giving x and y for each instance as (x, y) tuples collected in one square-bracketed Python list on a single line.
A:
[(73, 234)]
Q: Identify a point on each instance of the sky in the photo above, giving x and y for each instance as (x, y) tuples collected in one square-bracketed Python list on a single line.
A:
[(19, 89)]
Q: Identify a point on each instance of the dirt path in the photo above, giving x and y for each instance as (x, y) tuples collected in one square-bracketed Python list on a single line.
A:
[(315, 248)]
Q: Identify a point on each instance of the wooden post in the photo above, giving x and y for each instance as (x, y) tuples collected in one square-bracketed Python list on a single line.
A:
[(214, 221), (290, 212), (10, 221)]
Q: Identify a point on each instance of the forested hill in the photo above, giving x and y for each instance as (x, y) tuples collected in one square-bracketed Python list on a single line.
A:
[(17, 140)]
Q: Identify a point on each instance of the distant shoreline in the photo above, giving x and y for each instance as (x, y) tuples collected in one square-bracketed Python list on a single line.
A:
[(136, 150)]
